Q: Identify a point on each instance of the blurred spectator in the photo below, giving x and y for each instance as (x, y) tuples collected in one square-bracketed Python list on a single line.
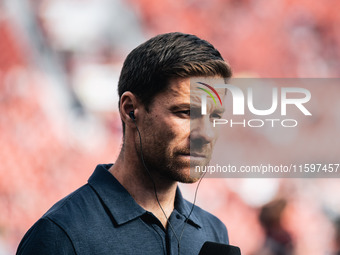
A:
[(337, 236), (277, 240)]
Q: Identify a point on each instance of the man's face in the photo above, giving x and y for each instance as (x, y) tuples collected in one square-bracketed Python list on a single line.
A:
[(175, 135)]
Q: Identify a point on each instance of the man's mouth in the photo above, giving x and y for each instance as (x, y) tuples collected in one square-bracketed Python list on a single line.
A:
[(197, 155), (194, 155)]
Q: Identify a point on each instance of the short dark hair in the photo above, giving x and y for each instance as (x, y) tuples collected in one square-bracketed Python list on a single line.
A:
[(149, 68)]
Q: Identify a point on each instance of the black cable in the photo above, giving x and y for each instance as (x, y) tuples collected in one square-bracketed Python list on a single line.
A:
[(193, 205), (153, 183), (155, 191)]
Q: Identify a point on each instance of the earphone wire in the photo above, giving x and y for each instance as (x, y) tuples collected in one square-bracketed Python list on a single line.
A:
[(153, 183), (193, 205), (155, 191)]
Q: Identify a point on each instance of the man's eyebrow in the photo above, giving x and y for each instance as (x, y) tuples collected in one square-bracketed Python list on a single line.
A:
[(180, 106), (219, 110)]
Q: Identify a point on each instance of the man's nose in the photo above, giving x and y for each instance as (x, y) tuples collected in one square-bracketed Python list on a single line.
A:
[(202, 129)]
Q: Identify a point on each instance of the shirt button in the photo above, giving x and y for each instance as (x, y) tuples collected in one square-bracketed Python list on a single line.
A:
[(178, 216)]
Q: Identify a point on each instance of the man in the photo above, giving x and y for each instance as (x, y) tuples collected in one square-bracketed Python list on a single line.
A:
[(135, 206)]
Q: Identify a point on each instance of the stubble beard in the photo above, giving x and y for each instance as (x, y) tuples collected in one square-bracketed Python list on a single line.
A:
[(172, 169)]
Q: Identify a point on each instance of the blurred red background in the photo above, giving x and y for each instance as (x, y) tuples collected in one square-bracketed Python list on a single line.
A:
[(59, 66)]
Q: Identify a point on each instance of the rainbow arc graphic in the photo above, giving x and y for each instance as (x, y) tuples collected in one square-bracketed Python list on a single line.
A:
[(209, 93), (204, 97)]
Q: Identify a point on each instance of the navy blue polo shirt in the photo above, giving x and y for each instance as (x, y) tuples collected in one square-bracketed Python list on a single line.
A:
[(101, 217)]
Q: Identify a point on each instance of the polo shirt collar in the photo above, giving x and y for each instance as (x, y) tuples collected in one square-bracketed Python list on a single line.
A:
[(115, 197), (122, 205), (184, 207)]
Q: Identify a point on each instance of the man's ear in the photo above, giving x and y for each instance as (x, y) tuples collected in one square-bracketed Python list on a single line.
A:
[(128, 104)]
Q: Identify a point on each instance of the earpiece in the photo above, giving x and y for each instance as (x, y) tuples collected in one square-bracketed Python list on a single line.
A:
[(132, 115)]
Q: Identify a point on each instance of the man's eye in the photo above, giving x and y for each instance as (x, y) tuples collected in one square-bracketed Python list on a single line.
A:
[(187, 112), (216, 116)]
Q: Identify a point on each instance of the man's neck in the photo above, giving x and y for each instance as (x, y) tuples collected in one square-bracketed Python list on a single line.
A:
[(135, 179)]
